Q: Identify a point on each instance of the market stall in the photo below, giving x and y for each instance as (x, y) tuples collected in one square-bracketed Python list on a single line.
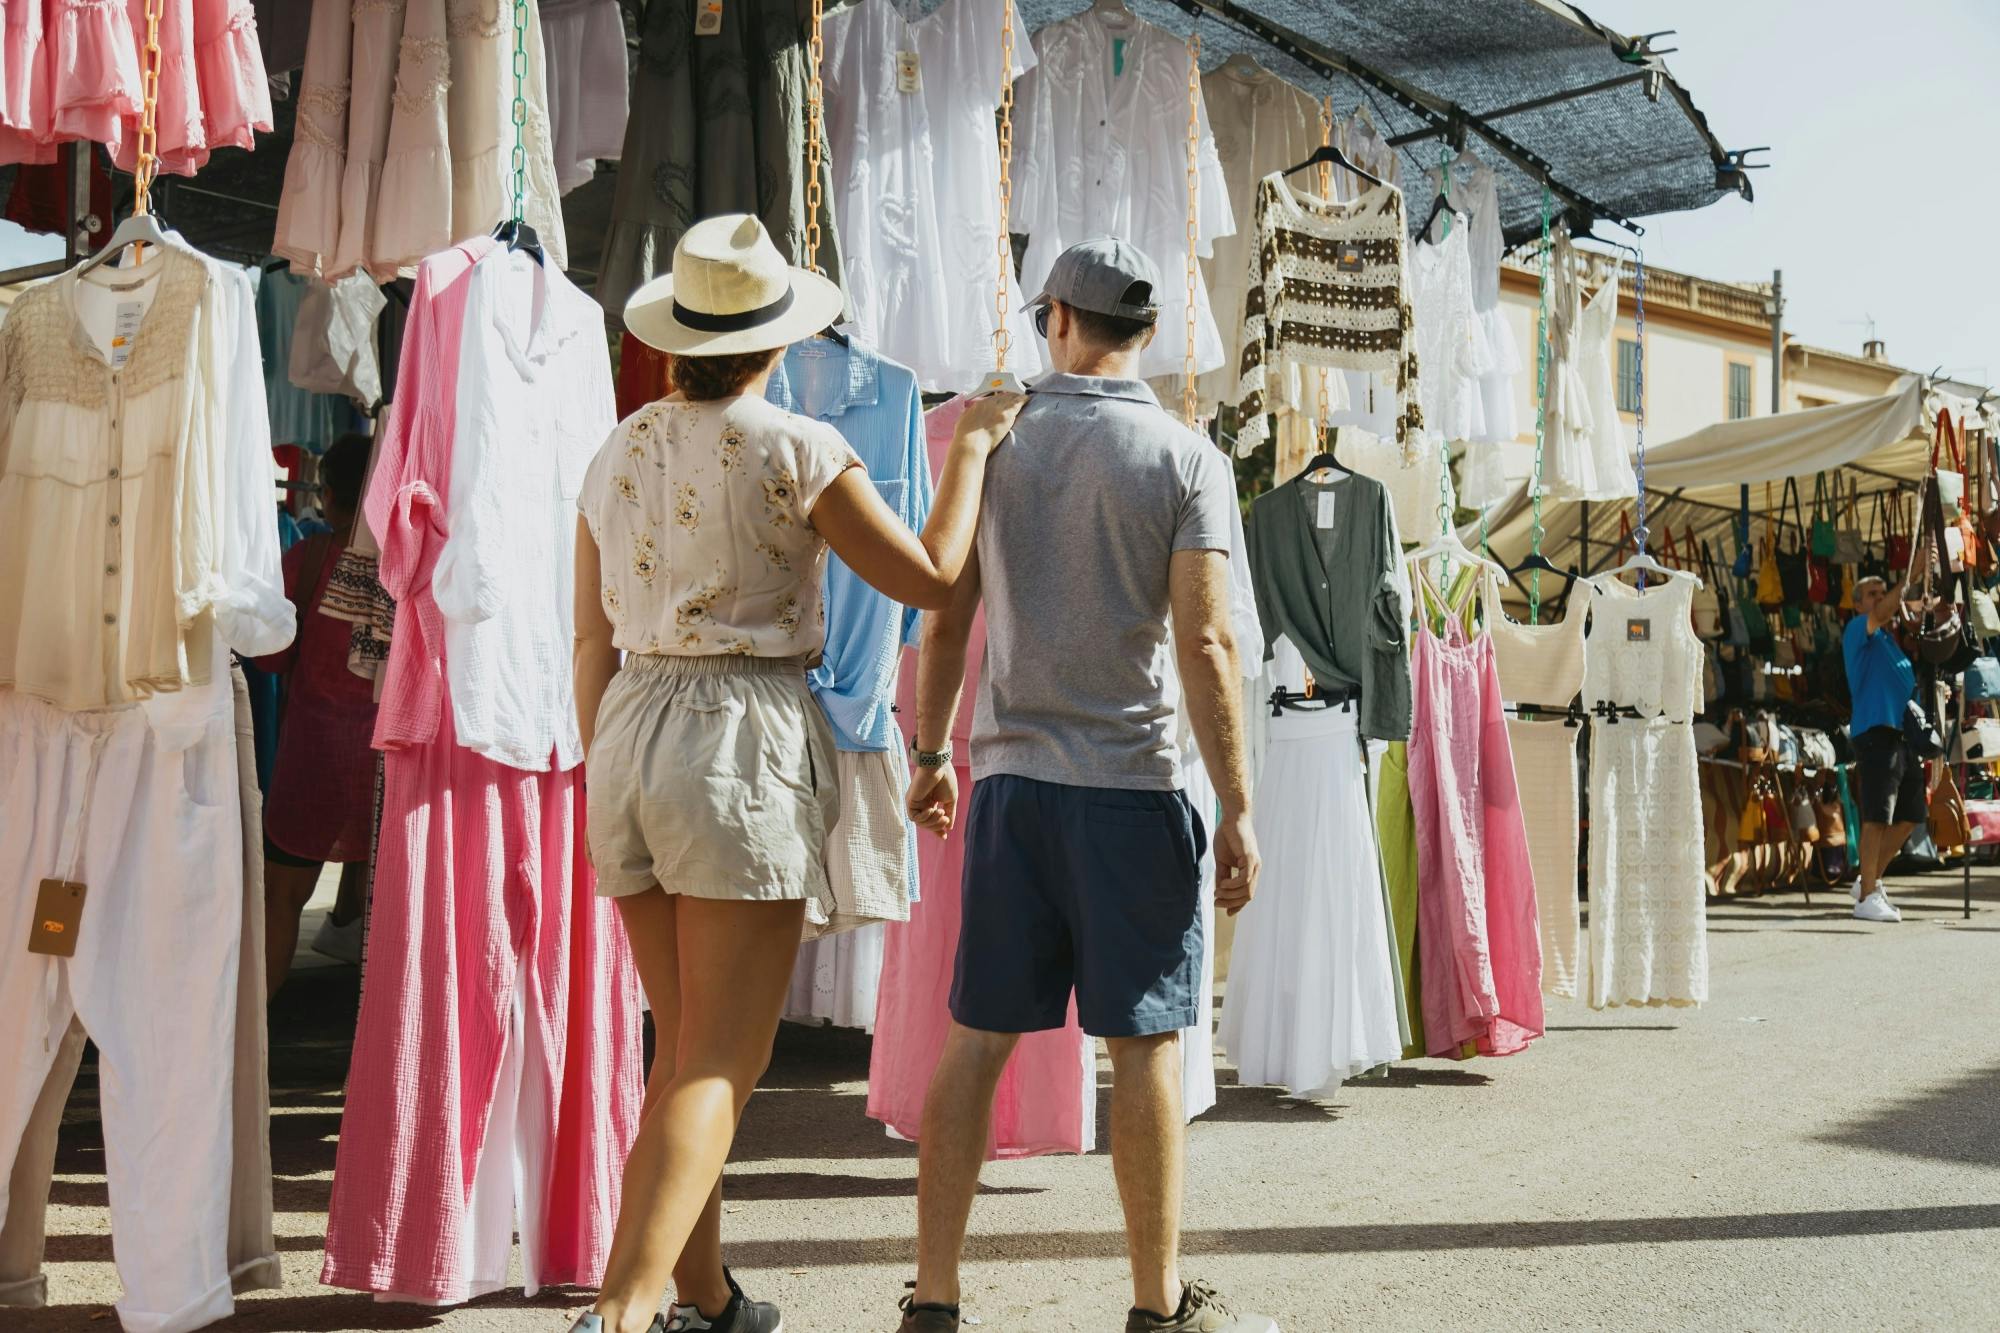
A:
[(434, 187)]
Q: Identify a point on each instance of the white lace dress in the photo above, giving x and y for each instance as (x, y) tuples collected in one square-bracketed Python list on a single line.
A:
[(1590, 457), (1648, 905)]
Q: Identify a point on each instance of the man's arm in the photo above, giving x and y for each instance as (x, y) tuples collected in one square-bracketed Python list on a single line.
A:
[(1887, 608), (1212, 681), (933, 799)]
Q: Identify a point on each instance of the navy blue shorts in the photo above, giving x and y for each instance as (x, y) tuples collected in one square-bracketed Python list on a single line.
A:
[(1093, 888)]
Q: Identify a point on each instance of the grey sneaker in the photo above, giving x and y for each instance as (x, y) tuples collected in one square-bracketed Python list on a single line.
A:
[(927, 1318), (592, 1322), (1202, 1311), (741, 1315)]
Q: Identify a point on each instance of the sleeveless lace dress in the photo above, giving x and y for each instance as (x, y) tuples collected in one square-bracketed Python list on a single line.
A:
[(1648, 907), (1543, 664)]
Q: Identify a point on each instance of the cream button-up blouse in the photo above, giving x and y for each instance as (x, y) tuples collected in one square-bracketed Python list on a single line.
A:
[(136, 483)]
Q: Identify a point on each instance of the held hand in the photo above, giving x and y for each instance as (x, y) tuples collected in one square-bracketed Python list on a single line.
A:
[(933, 799), (987, 421), (1237, 864)]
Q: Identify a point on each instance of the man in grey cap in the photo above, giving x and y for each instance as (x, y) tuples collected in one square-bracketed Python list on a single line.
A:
[(1105, 524)]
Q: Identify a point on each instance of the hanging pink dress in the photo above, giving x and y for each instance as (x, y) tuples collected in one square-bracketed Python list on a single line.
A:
[(1478, 938), (1047, 1098), (496, 1055)]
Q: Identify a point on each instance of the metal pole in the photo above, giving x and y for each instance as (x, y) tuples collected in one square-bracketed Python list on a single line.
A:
[(80, 237), (1777, 341)]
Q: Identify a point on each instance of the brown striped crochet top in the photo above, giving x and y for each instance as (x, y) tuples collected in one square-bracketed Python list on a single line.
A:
[(1329, 286)]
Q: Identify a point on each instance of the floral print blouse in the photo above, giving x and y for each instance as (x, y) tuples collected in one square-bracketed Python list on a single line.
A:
[(701, 516)]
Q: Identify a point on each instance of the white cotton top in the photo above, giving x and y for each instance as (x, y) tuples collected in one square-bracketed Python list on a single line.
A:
[(701, 513), (135, 483), (919, 185), (1100, 145), (534, 399)]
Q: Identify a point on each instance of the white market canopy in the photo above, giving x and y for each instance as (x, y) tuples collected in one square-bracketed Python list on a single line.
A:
[(1876, 444)]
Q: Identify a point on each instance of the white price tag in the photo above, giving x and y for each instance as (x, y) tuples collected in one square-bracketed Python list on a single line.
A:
[(1325, 517), (124, 327), (909, 77), (708, 18)]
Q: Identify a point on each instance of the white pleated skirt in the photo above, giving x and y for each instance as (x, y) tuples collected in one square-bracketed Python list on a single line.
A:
[(1311, 999)]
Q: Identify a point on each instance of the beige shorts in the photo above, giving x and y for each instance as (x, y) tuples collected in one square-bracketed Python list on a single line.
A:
[(711, 777)]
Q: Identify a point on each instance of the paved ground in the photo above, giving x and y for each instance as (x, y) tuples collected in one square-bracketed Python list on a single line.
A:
[(1819, 1148)]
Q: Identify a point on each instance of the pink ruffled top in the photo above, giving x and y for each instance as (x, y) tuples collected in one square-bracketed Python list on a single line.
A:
[(71, 70)]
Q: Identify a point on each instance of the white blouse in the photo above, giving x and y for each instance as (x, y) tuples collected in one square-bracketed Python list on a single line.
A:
[(136, 483), (701, 513), (1100, 142), (919, 183), (534, 400)]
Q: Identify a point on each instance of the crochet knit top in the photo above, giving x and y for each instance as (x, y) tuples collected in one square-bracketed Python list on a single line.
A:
[(1329, 286)]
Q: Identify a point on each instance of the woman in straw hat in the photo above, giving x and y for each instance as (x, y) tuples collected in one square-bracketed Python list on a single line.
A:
[(701, 554)]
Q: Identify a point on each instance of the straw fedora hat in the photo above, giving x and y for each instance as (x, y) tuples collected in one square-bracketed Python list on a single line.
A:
[(730, 292)]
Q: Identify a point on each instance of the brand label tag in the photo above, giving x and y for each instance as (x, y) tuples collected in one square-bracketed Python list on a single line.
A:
[(909, 77), (124, 327), (1325, 516), (708, 18), (58, 914), (1347, 256), (1638, 631)]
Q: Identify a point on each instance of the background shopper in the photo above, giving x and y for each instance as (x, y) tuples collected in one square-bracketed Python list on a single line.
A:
[(322, 800), (1890, 774)]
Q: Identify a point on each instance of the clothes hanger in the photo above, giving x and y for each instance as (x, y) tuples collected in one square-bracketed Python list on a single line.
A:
[(142, 228), (1325, 459), (1536, 560), (1242, 65), (1447, 544), (1643, 562), (515, 234), (1326, 152), (1115, 11), (1442, 204)]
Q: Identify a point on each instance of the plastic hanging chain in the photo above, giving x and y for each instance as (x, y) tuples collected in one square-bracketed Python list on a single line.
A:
[(815, 129), (520, 112), (1535, 531), (1189, 402), (147, 162), (1003, 333)]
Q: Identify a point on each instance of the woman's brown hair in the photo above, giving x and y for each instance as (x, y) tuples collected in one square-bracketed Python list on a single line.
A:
[(704, 379)]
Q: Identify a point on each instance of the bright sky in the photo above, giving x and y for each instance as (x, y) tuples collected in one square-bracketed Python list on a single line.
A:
[(1881, 197)]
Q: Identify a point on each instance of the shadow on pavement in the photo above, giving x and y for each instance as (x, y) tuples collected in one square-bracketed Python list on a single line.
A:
[(1953, 1122)]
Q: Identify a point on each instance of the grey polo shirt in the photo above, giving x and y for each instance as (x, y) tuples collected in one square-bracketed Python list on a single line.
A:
[(1083, 509)]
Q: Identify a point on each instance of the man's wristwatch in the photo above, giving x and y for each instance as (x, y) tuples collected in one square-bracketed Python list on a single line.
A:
[(930, 758)]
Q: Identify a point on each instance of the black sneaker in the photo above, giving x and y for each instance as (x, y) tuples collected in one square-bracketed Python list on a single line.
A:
[(741, 1315), (927, 1318), (1202, 1311)]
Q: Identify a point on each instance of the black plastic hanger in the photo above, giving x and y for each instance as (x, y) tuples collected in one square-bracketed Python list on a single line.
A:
[(518, 235), (1441, 204), (1325, 458), (1326, 152)]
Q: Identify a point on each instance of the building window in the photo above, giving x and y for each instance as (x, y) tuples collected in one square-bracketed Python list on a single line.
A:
[(1739, 391), (1628, 375)]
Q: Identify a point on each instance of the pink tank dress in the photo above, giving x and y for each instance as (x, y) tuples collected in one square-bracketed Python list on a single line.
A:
[(1478, 937)]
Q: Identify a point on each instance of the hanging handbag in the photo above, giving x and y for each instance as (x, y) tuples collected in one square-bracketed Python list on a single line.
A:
[(1756, 625), (1708, 605), (1950, 481), (1770, 583), (1989, 471), (1815, 749), (1740, 567), (1917, 730), (1823, 542), (1805, 819), (1982, 680), (1984, 614), (1792, 573), (1948, 826), (1848, 547), (1895, 533), (1750, 823), (1819, 580)]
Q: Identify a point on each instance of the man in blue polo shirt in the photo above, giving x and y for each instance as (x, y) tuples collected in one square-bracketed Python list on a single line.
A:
[(1890, 775)]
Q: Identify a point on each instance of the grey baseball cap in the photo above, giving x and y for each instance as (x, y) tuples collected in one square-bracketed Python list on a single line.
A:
[(1098, 275)]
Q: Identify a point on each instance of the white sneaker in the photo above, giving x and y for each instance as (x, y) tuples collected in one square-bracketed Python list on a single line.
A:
[(340, 943), (1876, 907)]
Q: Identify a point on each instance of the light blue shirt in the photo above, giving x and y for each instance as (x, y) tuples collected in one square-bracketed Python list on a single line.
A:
[(874, 404)]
